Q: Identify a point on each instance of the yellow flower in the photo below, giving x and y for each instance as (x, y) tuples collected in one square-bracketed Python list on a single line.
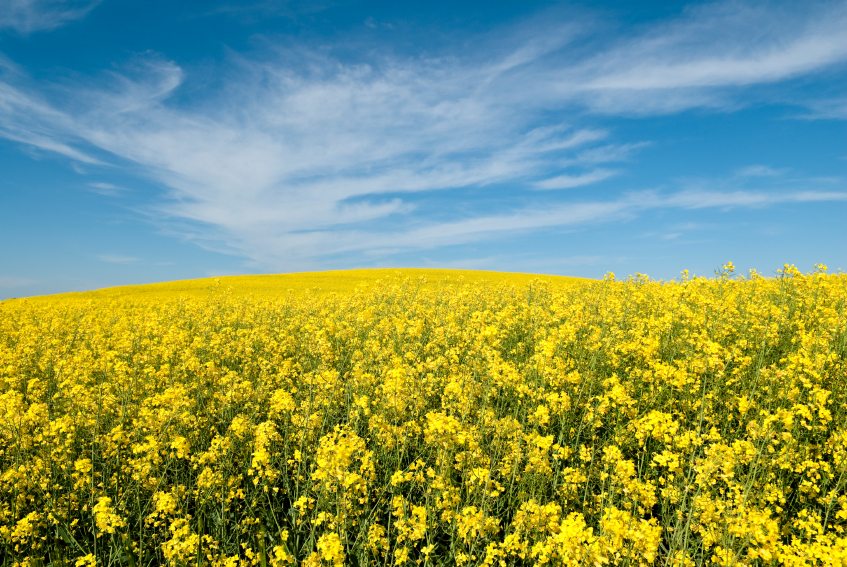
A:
[(429, 417), (86, 561), (105, 517), (331, 549)]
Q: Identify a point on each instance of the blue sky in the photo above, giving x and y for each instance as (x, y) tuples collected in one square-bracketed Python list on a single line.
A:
[(157, 140)]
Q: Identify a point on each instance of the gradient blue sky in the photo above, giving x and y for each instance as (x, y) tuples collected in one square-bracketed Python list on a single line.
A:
[(156, 140)]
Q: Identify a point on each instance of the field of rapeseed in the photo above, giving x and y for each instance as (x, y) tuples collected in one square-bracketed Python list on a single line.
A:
[(425, 419)]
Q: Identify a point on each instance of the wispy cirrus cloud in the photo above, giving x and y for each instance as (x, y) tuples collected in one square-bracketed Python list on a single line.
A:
[(28, 16), (15, 282), (759, 170), (827, 109), (695, 199), (117, 259), (250, 10), (704, 57), (570, 181), (27, 118), (104, 188), (570, 215), (299, 155)]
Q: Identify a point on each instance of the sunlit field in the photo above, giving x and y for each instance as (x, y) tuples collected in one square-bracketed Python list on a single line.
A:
[(428, 417)]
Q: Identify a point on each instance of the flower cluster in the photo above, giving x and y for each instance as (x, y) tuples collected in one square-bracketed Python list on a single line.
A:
[(428, 418)]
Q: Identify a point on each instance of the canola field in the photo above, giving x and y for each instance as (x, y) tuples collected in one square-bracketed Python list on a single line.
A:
[(428, 418)]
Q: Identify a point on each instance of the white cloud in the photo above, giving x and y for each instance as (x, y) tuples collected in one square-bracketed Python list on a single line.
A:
[(27, 119), (827, 109), (694, 60), (300, 156), (759, 170), (103, 188), (566, 216), (117, 259), (15, 282), (47, 144), (731, 199), (579, 180), (608, 153), (27, 16), (286, 151)]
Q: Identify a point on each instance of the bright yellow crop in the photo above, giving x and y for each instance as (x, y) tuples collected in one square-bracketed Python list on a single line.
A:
[(427, 417)]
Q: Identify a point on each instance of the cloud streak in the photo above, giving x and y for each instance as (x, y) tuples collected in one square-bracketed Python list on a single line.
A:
[(28, 16), (106, 189), (568, 181), (300, 156), (702, 58), (565, 216), (15, 282), (120, 259)]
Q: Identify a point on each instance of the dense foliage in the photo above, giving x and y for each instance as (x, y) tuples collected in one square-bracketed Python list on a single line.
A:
[(611, 423)]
